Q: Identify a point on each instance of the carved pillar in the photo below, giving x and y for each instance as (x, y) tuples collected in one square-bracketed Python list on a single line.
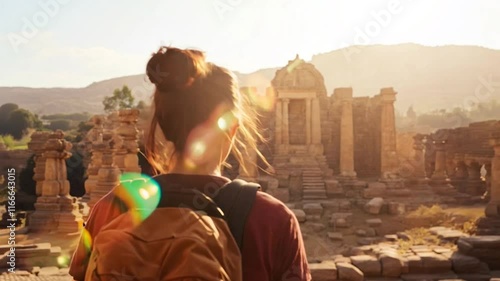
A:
[(278, 125), (113, 125), (389, 158), (346, 133), (316, 122), (94, 137), (493, 207), (450, 164), (419, 157), (461, 173), (55, 205), (37, 144), (286, 121), (439, 173), (109, 173), (129, 133), (474, 182), (308, 121)]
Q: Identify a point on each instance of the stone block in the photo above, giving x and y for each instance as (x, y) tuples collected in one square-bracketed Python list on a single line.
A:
[(369, 265), (374, 205), (313, 209), (392, 264), (316, 227), (415, 264), (324, 271), (374, 222), (434, 263), (335, 236), (395, 208), (299, 214), (348, 272), (465, 264), (333, 189)]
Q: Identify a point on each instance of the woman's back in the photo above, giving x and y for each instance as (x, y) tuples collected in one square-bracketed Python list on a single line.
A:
[(200, 117)]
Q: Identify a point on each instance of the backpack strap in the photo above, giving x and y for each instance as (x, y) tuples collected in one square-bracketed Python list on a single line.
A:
[(236, 200)]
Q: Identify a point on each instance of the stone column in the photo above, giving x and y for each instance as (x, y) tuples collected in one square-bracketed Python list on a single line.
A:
[(316, 122), (278, 124), (389, 157), (308, 121), (439, 173), (286, 121), (474, 183), (346, 134), (129, 133), (94, 138), (55, 206), (109, 173), (461, 173), (493, 207), (418, 157), (37, 143), (113, 123)]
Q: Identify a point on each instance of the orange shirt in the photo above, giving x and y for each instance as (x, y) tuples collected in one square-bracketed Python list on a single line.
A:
[(273, 249)]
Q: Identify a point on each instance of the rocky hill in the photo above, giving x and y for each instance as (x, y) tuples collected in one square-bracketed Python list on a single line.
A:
[(426, 77)]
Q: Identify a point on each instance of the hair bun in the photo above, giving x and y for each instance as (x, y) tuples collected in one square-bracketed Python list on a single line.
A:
[(172, 69)]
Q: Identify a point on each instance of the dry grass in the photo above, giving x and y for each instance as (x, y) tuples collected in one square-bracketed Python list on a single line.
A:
[(431, 216), (420, 236)]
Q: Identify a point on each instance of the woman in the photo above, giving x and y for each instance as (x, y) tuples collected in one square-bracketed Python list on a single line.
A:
[(198, 109)]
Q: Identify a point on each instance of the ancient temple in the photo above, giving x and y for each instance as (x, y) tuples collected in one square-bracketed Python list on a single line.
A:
[(299, 129), (318, 137)]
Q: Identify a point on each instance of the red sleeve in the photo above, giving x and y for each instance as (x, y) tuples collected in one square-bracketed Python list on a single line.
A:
[(104, 211), (294, 266)]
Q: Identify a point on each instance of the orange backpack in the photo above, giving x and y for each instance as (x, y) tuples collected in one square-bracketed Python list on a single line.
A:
[(187, 237)]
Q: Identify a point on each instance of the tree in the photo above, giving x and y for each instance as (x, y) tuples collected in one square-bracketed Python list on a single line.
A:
[(5, 111), (62, 125), (141, 105), (19, 121), (121, 99)]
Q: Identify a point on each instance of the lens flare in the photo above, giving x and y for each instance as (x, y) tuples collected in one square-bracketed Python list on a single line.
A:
[(87, 240), (262, 102), (140, 193), (222, 124), (144, 193), (198, 149), (63, 260)]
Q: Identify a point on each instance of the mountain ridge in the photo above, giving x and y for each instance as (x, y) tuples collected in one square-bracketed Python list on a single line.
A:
[(426, 77)]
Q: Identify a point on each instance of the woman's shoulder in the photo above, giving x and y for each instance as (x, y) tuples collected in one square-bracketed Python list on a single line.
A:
[(270, 206)]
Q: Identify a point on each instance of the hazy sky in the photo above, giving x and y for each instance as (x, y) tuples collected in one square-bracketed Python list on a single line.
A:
[(71, 43)]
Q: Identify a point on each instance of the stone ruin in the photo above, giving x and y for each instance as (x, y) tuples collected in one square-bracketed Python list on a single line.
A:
[(334, 157), (113, 145)]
